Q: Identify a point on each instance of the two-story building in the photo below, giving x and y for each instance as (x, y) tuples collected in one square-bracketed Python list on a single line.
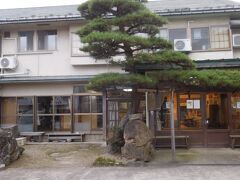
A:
[(43, 72)]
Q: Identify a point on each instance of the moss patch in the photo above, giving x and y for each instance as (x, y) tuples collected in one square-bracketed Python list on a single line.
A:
[(102, 161)]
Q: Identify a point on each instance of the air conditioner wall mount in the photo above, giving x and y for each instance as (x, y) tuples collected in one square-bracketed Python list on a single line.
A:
[(8, 62), (182, 45), (236, 40)]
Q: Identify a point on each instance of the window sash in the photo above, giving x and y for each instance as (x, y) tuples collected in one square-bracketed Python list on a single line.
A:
[(219, 37), (177, 34), (25, 41), (76, 44), (200, 38), (47, 40)]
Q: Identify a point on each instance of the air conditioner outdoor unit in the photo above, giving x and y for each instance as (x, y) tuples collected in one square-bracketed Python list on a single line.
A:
[(182, 45), (236, 40), (8, 63)]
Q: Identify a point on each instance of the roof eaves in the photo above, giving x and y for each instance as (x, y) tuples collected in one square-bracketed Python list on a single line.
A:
[(193, 11), (41, 19), (44, 79)]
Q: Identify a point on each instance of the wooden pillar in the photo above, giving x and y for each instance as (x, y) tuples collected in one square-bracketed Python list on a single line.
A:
[(173, 144), (147, 112), (105, 119), (229, 108), (72, 115)]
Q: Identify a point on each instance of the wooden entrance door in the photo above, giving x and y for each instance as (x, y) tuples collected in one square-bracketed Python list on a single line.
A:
[(216, 119)]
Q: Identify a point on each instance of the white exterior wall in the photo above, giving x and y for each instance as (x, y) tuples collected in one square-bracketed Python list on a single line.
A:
[(204, 21), (36, 90), (53, 63), (60, 62)]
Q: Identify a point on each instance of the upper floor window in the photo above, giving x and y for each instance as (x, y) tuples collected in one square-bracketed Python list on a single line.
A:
[(219, 37), (47, 40), (177, 34), (163, 33), (25, 41), (215, 37), (200, 38), (76, 45)]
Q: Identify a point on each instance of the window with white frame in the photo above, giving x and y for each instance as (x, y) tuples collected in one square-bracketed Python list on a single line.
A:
[(200, 38), (76, 45), (47, 40), (25, 41)]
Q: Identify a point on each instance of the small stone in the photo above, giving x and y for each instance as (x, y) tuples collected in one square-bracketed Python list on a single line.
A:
[(2, 166)]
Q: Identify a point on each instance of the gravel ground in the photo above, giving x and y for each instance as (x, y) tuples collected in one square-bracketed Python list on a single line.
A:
[(74, 162), (58, 155)]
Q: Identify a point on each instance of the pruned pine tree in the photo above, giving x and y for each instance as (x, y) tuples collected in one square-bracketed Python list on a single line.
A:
[(126, 33)]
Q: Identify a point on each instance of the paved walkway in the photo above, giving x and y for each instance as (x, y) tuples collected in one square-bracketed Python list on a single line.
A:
[(196, 163), (171, 172)]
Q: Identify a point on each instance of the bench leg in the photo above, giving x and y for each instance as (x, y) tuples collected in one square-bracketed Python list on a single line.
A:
[(40, 138), (187, 143), (233, 143)]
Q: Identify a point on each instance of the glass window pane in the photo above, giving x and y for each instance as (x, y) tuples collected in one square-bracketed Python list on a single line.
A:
[(190, 111), (25, 123), (220, 37), (200, 38), (163, 33), (97, 122), (62, 104), (81, 104), (45, 105), (47, 40), (96, 104), (8, 111), (25, 41), (217, 115), (163, 115), (44, 123), (25, 105), (177, 34), (79, 89), (62, 123), (76, 45), (236, 110), (82, 123)]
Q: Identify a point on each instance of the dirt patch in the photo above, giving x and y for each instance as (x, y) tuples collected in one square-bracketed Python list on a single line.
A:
[(54, 155)]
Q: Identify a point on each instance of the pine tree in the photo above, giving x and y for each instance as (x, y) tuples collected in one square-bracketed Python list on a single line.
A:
[(125, 33)]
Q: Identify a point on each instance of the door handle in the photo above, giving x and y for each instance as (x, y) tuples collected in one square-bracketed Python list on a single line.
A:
[(206, 122)]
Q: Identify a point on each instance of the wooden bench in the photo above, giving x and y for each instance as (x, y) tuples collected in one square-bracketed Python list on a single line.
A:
[(30, 135), (233, 140), (185, 138), (66, 137)]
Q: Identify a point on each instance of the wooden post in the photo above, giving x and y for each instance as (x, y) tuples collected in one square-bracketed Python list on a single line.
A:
[(105, 120), (173, 145), (147, 113)]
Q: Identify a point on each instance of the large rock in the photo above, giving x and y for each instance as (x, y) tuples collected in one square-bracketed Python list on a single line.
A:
[(138, 140), (9, 150)]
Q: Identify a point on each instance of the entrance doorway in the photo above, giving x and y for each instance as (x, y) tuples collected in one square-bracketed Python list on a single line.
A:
[(216, 123)]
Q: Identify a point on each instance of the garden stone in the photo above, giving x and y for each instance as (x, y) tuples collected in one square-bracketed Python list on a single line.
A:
[(138, 141), (9, 150)]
